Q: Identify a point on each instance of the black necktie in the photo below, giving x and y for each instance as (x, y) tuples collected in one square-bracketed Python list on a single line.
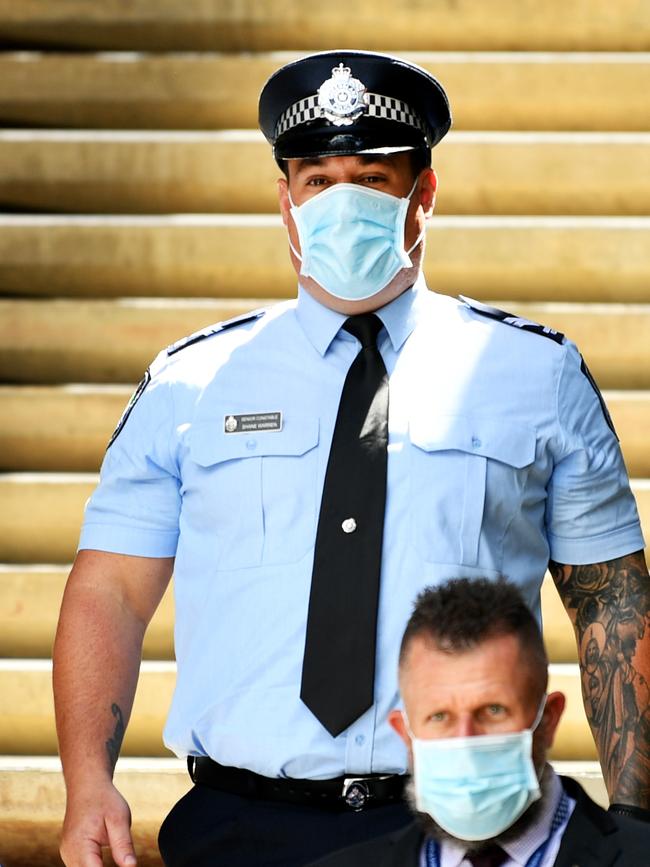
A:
[(338, 670), (493, 856)]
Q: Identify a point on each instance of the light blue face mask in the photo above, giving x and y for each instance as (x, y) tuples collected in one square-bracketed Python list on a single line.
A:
[(476, 787), (352, 239)]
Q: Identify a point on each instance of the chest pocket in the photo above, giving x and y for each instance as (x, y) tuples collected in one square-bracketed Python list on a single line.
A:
[(467, 474), (252, 496)]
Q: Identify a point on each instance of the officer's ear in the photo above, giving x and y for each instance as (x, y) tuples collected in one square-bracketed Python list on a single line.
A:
[(283, 199), (427, 187)]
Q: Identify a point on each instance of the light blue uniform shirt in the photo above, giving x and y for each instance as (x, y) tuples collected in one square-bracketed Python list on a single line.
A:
[(499, 456)]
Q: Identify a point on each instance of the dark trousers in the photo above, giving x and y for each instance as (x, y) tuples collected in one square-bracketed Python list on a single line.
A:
[(209, 828)]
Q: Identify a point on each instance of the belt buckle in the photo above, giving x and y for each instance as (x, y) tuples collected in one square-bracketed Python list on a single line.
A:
[(356, 793)]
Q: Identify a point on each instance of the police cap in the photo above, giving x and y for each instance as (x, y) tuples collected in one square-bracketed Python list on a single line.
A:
[(338, 103)]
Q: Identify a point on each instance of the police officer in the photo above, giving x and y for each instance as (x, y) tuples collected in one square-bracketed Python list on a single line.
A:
[(306, 470)]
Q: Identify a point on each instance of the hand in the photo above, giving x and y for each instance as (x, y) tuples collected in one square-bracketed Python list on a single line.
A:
[(94, 818)]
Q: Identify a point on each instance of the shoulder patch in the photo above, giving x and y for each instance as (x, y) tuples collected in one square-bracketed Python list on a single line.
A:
[(513, 320), (184, 342), (592, 382), (135, 397)]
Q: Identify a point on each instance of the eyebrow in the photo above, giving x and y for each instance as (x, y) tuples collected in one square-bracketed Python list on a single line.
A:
[(366, 160), (305, 162)]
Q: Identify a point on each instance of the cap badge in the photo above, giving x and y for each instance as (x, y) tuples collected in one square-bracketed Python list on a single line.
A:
[(341, 97)]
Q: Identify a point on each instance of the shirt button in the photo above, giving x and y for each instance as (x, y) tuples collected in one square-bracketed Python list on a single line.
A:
[(360, 740), (251, 444), (349, 525), (476, 443)]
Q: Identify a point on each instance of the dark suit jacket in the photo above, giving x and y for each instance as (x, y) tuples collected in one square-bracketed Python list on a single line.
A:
[(593, 838)]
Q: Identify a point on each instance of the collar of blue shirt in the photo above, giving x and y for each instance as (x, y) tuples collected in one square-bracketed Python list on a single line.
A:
[(321, 324)]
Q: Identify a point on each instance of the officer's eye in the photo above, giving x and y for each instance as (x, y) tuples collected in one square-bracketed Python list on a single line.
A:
[(316, 182), (438, 717), (373, 179)]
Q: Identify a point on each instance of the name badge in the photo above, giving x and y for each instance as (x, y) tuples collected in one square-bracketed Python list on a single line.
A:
[(257, 421)]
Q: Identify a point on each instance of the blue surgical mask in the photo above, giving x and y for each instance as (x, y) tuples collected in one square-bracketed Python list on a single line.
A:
[(352, 239), (476, 787)]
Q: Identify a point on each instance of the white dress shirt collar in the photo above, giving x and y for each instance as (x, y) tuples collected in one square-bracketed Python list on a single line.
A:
[(523, 847)]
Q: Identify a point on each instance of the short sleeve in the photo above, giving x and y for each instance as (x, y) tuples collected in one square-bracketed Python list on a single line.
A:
[(591, 515), (135, 508)]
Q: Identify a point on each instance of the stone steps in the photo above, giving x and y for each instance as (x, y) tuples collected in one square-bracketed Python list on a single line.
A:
[(66, 427), (565, 25), (544, 203), (30, 597), (66, 340), (27, 724), (591, 259), (58, 428), (488, 90), (109, 341), (33, 787), (522, 173), (42, 514), (32, 804)]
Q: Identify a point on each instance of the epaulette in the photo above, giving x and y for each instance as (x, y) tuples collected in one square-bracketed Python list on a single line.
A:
[(511, 319), (176, 347), (544, 331), (214, 329), (601, 400)]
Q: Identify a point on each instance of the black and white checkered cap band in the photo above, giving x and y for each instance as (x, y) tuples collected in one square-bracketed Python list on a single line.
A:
[(375, 105)]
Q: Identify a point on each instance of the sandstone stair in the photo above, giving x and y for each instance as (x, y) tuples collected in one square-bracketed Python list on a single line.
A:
[(523, 258), (219, 90), (154, 171), (130, 212), (200, 25)]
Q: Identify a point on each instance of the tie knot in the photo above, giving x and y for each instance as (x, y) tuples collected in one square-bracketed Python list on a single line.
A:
[(492, 856), (365, 327)]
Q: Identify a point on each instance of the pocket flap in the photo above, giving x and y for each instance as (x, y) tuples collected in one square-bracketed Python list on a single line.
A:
[(495, 438), (210, 444)]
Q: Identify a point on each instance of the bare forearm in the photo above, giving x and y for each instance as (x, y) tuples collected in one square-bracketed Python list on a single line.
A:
[(108, 602), (609, 604), (96, 663), (107, 605)]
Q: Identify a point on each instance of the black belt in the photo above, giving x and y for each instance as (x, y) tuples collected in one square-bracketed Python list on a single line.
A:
[(344, 793)]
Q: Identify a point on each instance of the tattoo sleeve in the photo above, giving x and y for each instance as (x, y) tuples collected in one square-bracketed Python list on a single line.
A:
[(113, 744), (609, 605)]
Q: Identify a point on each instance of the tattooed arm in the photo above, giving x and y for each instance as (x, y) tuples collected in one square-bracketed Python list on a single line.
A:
[(609, 606), (108, 601)]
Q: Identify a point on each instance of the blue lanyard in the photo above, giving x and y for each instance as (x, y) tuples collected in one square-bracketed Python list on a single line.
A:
[(433, 848)]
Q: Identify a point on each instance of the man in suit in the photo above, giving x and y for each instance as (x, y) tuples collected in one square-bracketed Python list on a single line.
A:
[(478, 723)]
